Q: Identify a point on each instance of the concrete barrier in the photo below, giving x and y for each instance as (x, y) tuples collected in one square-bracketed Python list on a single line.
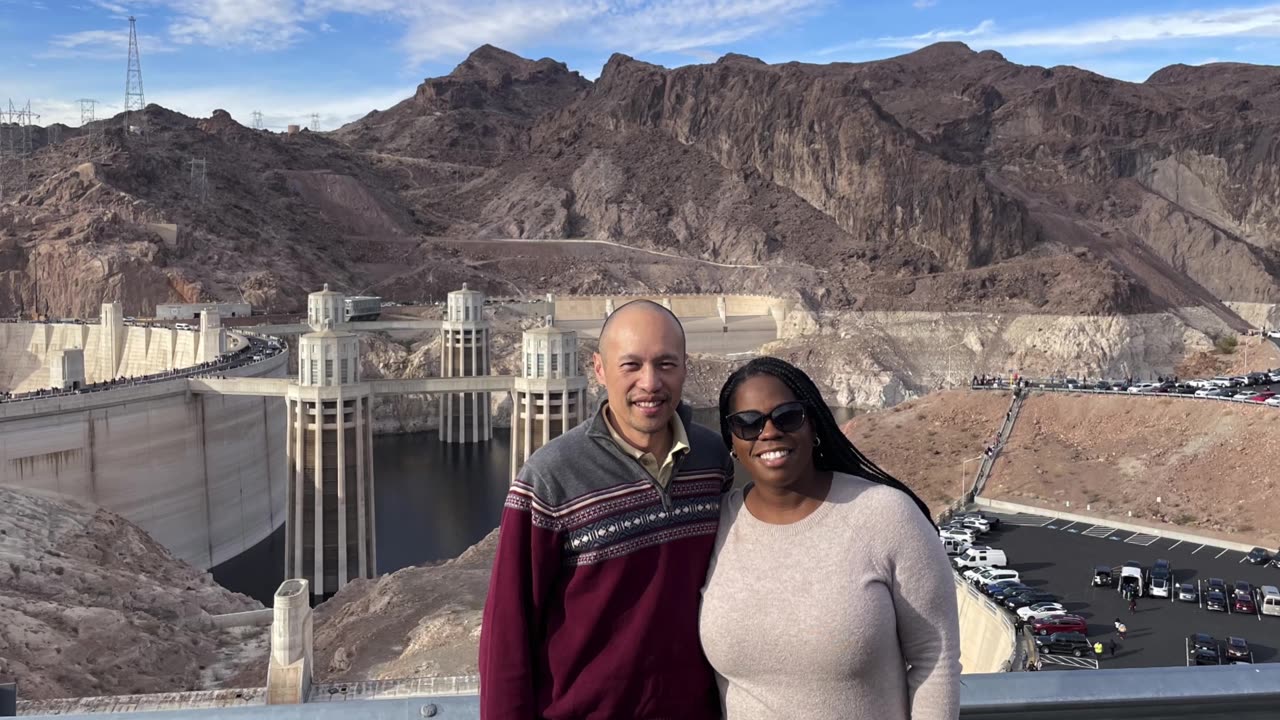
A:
[(248, 618), (1003, 506), (988, 642)]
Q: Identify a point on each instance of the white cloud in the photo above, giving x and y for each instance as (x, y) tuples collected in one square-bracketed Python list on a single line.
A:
[(1256, 22), (442, 28), (101, 45), (922, 4)]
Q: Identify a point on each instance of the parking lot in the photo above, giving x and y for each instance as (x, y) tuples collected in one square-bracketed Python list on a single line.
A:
[(1059, 556)]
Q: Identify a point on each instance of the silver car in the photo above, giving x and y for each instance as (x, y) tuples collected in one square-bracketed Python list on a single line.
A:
[(1187, 593)]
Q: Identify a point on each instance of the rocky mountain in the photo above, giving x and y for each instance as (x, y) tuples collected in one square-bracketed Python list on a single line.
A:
[(942, 179)]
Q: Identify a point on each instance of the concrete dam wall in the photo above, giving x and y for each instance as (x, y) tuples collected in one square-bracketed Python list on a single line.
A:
[(986, 634), (203, 474)]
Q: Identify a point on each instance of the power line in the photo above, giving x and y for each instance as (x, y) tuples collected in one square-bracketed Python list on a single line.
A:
[(257, 119), (315, 122), (134, 100)]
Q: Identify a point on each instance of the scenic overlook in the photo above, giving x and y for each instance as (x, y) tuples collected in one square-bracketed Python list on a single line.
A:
[(596, 359)]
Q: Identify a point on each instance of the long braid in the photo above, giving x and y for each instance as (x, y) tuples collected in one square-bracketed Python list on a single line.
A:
[(834, 452)]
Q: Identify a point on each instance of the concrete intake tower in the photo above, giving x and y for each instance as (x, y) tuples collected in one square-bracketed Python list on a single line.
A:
[(330, 520)]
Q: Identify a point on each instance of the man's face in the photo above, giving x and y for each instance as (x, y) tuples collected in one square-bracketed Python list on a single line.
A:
[(641, 363)]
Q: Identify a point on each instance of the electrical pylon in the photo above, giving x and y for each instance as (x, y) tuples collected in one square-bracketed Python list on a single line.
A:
[(134, 100)]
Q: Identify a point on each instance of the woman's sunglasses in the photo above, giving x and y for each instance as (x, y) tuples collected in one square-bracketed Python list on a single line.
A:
[(748, 424)]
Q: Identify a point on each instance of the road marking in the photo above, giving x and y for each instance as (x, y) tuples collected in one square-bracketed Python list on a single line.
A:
[(1142, 539), (1200, 592), (1224, 552), (1069, 661), (1064, 527), (1193, 552), (1099, 531), (1175, 545)]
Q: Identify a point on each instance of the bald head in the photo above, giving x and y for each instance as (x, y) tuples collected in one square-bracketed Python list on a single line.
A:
[(640, 315), (641, 364)]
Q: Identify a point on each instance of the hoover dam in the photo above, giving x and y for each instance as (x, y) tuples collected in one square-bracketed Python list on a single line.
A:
[(203, 474)]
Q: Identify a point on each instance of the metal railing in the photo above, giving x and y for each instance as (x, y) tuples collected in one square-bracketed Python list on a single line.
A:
[(1234, 692)]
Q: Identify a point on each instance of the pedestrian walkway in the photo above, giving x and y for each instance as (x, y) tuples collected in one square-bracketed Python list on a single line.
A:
[(989, 461), (1075, 663)]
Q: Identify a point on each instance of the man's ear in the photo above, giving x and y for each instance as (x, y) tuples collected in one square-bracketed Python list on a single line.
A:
[(597, 364)]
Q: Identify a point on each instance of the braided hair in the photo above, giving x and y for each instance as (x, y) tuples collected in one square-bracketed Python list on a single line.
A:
[(834, 452)]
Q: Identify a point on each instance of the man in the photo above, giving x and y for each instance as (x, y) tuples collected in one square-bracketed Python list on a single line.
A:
[(605, 540)]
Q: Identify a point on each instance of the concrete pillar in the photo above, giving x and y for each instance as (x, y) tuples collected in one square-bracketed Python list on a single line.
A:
[(373, 516), (609, 307), (213, 337), (340, 422), (289, 666), (528, 426), (66, 369), (111, 340), (722, 309), (289, 500), (299, 477), (546, 416), (317, 585), (360, 491)]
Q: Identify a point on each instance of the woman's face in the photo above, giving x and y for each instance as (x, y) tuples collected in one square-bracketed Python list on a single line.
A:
[(763, 394)]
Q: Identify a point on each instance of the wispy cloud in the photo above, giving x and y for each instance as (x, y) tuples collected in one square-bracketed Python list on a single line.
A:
[(922, 4), (442, 28), (1256, 22), (101, 45)]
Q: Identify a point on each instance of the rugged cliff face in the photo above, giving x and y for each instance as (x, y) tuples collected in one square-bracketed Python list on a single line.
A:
[(943, 178)]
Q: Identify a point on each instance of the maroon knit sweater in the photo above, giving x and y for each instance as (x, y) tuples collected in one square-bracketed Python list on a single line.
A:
[(592, 610)]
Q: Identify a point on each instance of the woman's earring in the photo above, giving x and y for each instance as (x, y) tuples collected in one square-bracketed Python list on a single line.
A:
[(817, 441), (733, 455)]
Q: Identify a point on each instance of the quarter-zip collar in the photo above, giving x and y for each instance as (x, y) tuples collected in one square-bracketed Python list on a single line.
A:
[(602, 434)]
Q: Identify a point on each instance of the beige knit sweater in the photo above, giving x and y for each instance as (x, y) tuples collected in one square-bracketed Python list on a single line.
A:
[(820, 619)]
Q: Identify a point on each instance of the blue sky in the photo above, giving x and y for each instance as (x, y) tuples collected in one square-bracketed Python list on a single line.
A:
[(342, 58)]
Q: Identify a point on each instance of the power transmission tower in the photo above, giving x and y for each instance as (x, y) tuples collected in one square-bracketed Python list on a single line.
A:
[(15, 144), (315, 122), (87, 107), (257, 119), (134, 100), (199, 180)]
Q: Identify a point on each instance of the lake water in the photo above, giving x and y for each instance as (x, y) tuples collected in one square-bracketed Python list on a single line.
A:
[(433, 500)]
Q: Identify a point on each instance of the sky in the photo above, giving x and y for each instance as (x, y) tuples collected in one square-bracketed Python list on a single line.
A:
[(340, 59)]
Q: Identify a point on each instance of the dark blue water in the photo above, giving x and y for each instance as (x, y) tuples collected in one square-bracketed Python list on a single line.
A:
[(433, 500)]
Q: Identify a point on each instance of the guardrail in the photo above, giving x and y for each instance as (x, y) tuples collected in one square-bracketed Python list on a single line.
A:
[(991, 608), (1234, 692), (1052, 388)]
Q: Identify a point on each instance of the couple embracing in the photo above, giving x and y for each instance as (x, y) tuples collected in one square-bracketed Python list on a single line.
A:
[(632, 582)]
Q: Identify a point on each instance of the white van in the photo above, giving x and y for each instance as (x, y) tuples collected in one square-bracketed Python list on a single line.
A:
[(991, 575), (981, 557), (1270, 604), (955, 546)]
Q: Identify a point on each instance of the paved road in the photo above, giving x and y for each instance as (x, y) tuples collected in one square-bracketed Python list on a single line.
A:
[(1059, 556)]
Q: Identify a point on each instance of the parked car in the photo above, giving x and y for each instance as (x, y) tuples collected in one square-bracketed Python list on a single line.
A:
[(988, 575), (1060, 623), (1161, 565), (1262, 396), (977, 524), (1202, 649), (1215, 600), (1008, 591), (1188, 593), (1216, 584), (1029, 598), (1259, 556), (1238, 649), (1102, 576), (1273, 401), (1243, 588), (996, 588), (1159, 587), (1064, 643), (1040, 611), (966, 535), (1244, 604), (992, 520), (980, 556)]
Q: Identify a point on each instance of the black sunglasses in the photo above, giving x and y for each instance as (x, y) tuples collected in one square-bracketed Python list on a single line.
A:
[(748, 424)]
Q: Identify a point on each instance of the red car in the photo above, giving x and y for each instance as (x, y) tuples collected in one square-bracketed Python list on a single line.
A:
[(1262, 397), (1244, 604), (1062, 623)]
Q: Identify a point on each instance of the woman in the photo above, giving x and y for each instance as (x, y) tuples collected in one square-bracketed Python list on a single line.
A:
[(828, 579)]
